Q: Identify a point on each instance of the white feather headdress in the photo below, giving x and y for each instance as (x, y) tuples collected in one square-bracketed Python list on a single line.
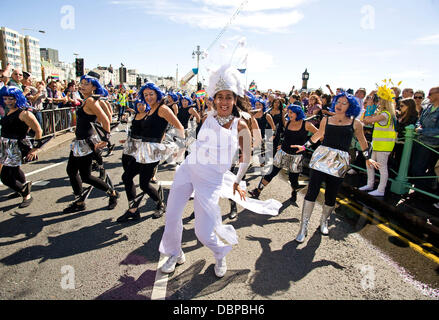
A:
[(225, 77)]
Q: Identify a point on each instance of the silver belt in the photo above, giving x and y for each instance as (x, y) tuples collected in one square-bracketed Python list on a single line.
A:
[(81, 148), (292, 162), (10, 153), (331, 161), (148, 152)]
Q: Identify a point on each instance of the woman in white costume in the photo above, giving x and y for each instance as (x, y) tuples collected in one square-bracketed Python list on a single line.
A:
[(206, 171)]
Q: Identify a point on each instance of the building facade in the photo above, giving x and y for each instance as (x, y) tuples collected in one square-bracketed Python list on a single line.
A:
[(48, 54), (11, 48), (32, 56)]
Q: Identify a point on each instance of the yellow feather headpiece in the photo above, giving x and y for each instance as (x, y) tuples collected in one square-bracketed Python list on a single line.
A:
[(385, 91)]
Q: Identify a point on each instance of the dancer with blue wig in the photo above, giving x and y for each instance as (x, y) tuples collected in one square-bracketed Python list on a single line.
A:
[(287, 157), (85, 145), (265, 121), (144, 150), (14, 146), (330, 161), (173, 102)]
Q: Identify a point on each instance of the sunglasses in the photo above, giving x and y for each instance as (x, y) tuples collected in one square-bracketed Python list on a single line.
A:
[(419, 97)]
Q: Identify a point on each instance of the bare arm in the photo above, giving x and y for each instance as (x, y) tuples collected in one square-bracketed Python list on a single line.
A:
[(256, 133), (194, 112), (105, 109), (93, 107), (270, 122), (374, 118), (32, 122), (310, 127), (166, 113)]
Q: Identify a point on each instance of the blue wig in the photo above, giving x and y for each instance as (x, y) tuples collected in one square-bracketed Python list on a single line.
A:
[(150, 86), (142, 102), (105, 94), (354, 106), (263, 102), (252, 99), (300, 115), (174, 97), (95, 82), (21, 101), (189, 100)]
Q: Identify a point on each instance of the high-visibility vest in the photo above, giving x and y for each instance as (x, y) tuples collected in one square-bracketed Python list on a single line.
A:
[(122, 99), (384, 137)]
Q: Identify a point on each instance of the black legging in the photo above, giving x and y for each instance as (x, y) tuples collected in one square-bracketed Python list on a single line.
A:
[(145, 171), (293, 177), (79, 171), (13, 177), (333, 185)]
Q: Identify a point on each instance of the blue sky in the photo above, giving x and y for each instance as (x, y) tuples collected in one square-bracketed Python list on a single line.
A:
[(344, 43)]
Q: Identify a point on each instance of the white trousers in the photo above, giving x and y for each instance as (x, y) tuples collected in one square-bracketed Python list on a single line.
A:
[(382, 158), (207, 185)]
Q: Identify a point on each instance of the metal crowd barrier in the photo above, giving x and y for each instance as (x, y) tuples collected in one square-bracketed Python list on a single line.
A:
[(55, 121)]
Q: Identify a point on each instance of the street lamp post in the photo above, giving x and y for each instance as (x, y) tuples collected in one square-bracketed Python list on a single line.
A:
[(197, 53)]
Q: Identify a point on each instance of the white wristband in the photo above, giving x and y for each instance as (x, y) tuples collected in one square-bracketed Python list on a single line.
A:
[(243, 167)]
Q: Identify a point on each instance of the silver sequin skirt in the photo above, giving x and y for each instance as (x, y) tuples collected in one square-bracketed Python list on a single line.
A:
[(331, 161), (10, 153), (81, 148), (148, 152), (291, 162)]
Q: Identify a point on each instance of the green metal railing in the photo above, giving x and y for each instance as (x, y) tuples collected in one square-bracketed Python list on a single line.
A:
[(401, 185)]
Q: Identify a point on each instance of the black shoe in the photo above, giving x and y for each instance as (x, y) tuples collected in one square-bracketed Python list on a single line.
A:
[(233, 211), (112, 202), (160, 211), (254, 193), (74, 207), (26, 203), (129, 215)]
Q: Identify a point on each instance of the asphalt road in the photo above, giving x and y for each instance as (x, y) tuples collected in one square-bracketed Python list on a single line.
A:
[(45, 254)]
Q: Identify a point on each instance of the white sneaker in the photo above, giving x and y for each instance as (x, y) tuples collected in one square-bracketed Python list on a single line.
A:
[(365, 188), (352, 171), (169, 265), (376, 193), (220, 267)]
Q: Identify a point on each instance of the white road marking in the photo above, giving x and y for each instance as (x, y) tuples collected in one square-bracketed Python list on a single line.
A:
[(41, 170), (161, 281)]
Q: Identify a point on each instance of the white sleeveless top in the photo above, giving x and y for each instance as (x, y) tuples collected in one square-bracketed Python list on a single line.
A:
[(215, 146)]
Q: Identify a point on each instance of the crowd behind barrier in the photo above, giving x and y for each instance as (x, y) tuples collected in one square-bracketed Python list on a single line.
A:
[(411, 164)]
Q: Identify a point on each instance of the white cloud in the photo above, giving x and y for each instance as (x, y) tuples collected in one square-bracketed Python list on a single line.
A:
[(428, 40), (257, 15)]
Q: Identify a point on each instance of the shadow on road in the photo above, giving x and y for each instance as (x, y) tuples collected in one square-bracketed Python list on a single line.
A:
[(86, 239), (290, 264)]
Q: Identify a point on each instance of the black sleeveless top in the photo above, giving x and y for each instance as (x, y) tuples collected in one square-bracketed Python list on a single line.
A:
[(12, 127), (262, 123), (84, 129), (298, 137), (184, 116), (277, 119), (338, 137), (150, 129)]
